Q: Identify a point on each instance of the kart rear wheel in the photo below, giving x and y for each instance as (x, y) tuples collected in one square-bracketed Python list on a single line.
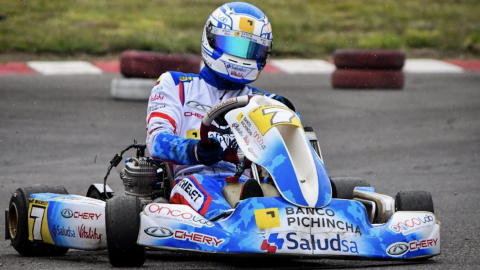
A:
[(414, 200), (343, 186), (18, 223), (122, 218)]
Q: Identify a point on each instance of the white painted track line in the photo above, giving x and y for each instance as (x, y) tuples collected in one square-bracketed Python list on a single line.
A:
[(430, 66), (304, 66), (64, 67)]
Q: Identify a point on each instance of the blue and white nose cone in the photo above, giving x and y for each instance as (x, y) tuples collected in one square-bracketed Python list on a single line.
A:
[(237, 41)]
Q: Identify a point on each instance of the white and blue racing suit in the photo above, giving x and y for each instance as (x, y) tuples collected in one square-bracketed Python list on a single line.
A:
[(177, 105)]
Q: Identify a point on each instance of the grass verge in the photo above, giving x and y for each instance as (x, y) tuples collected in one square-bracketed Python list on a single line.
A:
[(307, 29)]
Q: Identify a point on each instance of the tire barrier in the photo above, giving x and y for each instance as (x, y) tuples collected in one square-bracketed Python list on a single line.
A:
[(368, 79), (369, 59), (368, 69), (141, 69), (143, 64)]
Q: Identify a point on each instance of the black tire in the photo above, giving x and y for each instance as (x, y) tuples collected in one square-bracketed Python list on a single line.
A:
[(122, 218), (368, 79), (146, 64), (369, 59), (94, 194), (414, 200), (343, 186), (18, 223)]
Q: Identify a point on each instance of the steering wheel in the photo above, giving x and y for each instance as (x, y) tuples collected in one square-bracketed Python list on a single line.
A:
[(217, 110)]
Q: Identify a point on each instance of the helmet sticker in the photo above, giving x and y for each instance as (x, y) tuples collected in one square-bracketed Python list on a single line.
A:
[(247, 25), (237, 71)]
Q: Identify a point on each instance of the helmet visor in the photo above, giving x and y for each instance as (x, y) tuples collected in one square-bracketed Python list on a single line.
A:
[(240, 44)]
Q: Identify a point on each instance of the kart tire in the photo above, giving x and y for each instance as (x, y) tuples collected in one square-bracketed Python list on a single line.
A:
[(18, 222), (368, 79), (369, 59), (343, 187), (122, 218), (144, 64), (95, 194), (414, 200)]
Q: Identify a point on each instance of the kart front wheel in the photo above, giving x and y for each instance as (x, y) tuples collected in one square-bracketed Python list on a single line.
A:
[(414, 200), (122, 218), (17, 222), (343, 186)]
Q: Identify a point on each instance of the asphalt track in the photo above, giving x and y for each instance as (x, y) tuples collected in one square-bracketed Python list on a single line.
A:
[(65, 129)]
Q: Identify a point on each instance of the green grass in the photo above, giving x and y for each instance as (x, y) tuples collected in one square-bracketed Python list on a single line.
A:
[(308, 29)]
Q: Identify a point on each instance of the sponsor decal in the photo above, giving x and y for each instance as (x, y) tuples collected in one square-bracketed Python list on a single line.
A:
[(68, 213), (190, 189), (314, 243), (58, 230), (89, 233), (193, 114), (247, 125), (422, 244), (267, 218), (154, 108), (157, 97), (220, 16), (237, 71), (273, 243), (198, 106), (193, 134), (293, 241), (413, 224), (159, 232), (236, 126), (37, 201), (259, 140), (237, 68), (237, 74), (267, 29), (400, 248), (185, 78), (246, 139), (198, 238), (250, 149), (246, 24), (178, 215), (157, 88), (239, 116), (318, 218), (397, 249)]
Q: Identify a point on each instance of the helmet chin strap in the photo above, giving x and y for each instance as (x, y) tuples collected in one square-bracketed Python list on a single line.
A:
[(219, 82)]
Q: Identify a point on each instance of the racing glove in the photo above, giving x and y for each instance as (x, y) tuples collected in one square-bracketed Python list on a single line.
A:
[(207, 153), (285, 101)]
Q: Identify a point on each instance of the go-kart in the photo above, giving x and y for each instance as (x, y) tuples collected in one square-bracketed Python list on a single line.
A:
[(303, 213)]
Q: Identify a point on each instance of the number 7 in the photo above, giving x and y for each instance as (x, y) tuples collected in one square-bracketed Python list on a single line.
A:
[(37, 212)]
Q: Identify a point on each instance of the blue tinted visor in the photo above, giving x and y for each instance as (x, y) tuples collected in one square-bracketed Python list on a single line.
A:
[(240, 44)]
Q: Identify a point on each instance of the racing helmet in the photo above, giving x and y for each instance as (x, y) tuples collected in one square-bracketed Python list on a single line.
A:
[(236, 42)]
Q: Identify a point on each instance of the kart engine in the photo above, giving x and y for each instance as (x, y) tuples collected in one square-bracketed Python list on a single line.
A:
[(140, 177)]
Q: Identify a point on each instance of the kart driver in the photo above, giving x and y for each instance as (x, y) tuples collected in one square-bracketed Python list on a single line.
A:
[(237, 40)]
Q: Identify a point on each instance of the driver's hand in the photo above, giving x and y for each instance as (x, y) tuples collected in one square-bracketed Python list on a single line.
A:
[(209, 153)]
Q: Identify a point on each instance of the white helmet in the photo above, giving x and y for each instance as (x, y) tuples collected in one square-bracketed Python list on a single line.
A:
[(236, 42)]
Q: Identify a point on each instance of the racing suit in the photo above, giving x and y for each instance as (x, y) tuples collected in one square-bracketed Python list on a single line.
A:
[(177, 105)]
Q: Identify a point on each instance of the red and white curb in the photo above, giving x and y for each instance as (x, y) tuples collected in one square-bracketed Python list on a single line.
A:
[(289, 66), (139, 89)]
